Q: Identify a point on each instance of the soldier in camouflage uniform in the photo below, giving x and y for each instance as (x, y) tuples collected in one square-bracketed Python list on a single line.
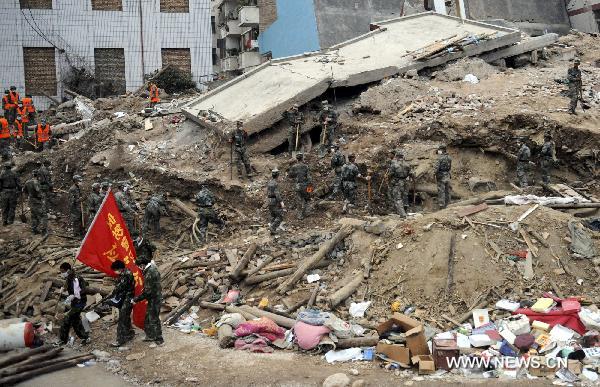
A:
[(125, 208), (399, 172), (275, 202), (575, 85), (155, 208), (300, 173), (152, 293), (94, 201), (523, 159), (206, 213), (329, 122), (104, 187), (547, 158), (295, 119), (37, 205), (337, 163), (239, 138), (75, 207), (144, 249), (45, 179), (443, 167), (350, 173), (123, 292), (9, 189)]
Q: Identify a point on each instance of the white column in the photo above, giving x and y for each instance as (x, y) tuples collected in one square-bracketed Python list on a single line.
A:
[(440, 6)]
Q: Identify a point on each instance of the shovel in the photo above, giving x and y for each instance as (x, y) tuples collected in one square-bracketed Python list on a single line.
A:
[(22, 216), (295, 151)]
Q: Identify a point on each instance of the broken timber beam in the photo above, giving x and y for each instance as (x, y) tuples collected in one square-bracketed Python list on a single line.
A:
[(346, 291), (185, 209), (280, 320), (237, 271), (367, 341), (315, 258)]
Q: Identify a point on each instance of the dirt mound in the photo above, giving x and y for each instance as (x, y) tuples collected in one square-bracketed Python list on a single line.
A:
[(456, 71), (390, 96)]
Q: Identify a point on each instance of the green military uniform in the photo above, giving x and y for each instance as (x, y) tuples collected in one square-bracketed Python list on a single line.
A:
[(575, 85), (75, 208), (523, 159), (274, 202), (45, 179), (77, 288), (300, 173), (547, 159), (206, 213), (295, 119), (329, 122), (154, 210), (349, 186), (144, 249), (399, 172), (9, 189), (153, 294), (239, 139), (442, 175), (123, 292), (94, 201), (37, 205), (337, 163)]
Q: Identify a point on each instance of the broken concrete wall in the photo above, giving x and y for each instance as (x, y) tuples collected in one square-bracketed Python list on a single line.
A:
[(533, 16), (584, 15), (340, 20)]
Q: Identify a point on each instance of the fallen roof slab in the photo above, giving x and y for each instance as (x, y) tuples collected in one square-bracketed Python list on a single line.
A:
[(260, 96), (527, 45)]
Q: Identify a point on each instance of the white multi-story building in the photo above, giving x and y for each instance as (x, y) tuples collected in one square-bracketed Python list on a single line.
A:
[(236, 30), (118, 41)]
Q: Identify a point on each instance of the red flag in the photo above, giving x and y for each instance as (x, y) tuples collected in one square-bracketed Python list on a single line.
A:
[(108, 240)]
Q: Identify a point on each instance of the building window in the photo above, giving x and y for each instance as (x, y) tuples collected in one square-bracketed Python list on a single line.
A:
[(36, 4), (213, 24), (110, 70), (177, 57), (107, 5), (215, 57), (180, 6), (39, 64)]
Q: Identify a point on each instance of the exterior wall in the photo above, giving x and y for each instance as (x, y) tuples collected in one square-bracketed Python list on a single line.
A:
[(340, 20), (72, 26), (294, 31), (267, 13), (532, 11), (584, 15)]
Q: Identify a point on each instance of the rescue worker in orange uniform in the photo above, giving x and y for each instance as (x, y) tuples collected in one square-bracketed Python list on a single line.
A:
[(29, 108), (14, 100), (43, 135), (4, 139), (18, 132), (8, 106), (154, 94)]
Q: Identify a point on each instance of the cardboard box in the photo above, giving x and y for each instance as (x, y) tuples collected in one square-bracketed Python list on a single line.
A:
[(395, 352), (543, 370), (575, 366), (414, 332), (443, 350), (426, 364)]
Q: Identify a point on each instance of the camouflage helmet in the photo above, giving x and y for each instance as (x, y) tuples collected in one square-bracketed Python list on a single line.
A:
[(300, 156), (275, 172), (399, 153), (548, 135), (36, 172), (442, 147), (77, 178), (96, 186), (351, 156), (577, 61)]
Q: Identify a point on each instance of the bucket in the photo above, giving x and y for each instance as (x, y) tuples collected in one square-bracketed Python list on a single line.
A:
[(19, 335)]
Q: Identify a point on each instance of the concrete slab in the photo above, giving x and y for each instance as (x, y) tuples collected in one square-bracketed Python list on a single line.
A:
[(260, 97), (526, 45)]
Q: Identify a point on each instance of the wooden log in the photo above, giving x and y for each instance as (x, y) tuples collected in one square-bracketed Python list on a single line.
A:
[(32, 363), (184, 208), (256, 279), (313, 295), (367, 341), (298, 305), (171, 319), (247, 314), (237, 271), (211, 305), (315, 258), (280, 320), (431, 189), (12, 359), (482, 198), (13, 379), (346, 291), (538, 237), (573, 206)]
